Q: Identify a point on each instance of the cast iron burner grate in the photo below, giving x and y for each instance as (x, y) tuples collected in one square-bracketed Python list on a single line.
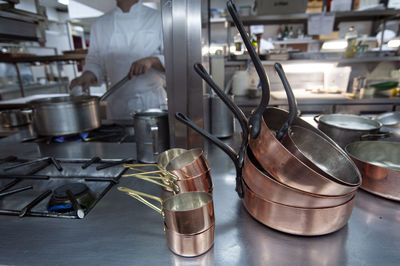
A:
[(75, 186)]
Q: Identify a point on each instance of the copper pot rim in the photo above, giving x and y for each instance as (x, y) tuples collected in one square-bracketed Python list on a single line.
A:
[(366, 142), (294, 207), (270, 177), (161, 156), (198, 154), (303, 165), (338, 149), (179, 174), (183, 194)]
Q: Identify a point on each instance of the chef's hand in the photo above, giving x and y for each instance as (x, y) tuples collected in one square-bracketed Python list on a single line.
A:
[(141, 66), (85, 80)]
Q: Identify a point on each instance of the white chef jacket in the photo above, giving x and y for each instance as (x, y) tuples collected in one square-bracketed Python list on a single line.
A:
[(118, 39)]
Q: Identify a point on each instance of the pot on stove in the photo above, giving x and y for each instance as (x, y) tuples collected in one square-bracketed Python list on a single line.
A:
[(151, 134)]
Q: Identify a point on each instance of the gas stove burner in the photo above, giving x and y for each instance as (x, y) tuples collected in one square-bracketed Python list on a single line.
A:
[(70, 138), (64, 196)]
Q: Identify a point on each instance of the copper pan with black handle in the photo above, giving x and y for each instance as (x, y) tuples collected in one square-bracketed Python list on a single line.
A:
[(269, 151), (326, 215)]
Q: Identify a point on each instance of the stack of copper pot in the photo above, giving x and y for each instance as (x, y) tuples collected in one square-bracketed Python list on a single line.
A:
[(291, 176), (188, 211)]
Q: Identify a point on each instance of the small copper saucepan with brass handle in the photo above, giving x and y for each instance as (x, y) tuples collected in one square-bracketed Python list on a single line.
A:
[(180, 171), (184, 213)]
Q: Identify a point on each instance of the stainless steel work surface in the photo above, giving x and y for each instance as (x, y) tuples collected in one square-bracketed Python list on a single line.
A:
[(122, 231)]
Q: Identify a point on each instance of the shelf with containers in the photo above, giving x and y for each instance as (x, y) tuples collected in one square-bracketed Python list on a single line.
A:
[(377, 16)]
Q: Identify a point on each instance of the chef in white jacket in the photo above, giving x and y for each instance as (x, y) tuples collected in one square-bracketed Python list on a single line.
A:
[(127, 39)]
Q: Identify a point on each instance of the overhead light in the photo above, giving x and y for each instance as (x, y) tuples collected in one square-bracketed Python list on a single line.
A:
[(395, 43), (63, 2), (334, 45)]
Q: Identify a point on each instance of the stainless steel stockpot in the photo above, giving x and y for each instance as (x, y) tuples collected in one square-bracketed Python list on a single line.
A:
[(346, 128), (67, 115)]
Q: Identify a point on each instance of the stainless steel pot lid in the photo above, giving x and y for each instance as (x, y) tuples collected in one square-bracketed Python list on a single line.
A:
[(380, 153), (63, 100), (350, 122), (389, 119), (153, 112)]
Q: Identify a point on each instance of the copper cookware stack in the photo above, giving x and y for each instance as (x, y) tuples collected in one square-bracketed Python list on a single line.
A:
[(294, 179), (188, 213), (189, 220)]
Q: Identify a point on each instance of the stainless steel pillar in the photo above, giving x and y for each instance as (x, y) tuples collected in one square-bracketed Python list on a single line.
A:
[(185, 25)]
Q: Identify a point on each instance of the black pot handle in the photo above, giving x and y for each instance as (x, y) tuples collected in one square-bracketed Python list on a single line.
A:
[(231, 105), (228, 150), (317, 117), (375, 136), (291, 101), (256, 117)]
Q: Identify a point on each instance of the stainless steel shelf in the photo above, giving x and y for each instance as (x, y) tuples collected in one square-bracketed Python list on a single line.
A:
[(339, 17), (327, 60)]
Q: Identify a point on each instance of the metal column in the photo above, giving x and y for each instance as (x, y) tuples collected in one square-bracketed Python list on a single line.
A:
[(185, 34)]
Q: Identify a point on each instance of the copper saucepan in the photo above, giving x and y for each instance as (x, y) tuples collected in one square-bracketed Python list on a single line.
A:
[(379, 164), (184, 213), (285, 218), (265, 186), (322, 156), (294, 220), (165, 157), (301, 177), (190, 245), (272, 155), (192, 171)]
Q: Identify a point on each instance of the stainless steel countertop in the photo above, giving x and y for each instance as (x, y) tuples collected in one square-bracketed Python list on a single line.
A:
[(122, 231)]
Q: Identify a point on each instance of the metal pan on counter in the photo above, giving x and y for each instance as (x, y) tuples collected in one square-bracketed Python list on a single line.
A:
[(379, 164), (390, 123), (59, 116), (347, 128)]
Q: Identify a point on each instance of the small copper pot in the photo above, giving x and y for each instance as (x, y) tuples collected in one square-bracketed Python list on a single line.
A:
[(163, 160), (297, 221), (379, 164), (266, 187), (191, 171), (190, 245), (184, 213), (189, 163)]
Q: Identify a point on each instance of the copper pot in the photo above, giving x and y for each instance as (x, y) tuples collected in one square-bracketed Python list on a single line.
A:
[(265, 185), (191, 171), (321, 156), (163, 160), (379, 164), (189, 163), (190, 245), (294, 220), (185, 213)]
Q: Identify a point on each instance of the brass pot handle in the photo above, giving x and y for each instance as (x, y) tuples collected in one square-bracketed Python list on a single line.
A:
[(139, 196), (169, 183)]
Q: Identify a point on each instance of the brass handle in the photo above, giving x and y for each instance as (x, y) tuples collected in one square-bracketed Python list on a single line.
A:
[(169, 184), (139, 196)]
